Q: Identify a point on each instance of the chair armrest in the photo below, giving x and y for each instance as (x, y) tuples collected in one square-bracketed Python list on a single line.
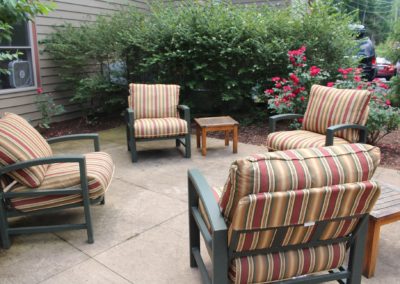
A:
[(86, 136), (275, 118), (186, 113), (49, 160), (199, 188), (330, 132)]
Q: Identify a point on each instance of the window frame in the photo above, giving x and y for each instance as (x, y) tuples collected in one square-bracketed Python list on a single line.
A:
[(33, 46)]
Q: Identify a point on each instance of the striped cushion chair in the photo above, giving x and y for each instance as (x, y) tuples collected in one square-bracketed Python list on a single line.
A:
[(33, 181), (286, 214), (153, 115), (333, 116)]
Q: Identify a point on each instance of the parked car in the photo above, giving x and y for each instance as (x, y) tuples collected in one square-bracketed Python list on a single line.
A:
[(385, 68), (365, 52)]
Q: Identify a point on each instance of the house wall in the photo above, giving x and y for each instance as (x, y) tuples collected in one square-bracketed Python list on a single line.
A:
[(75, 12)]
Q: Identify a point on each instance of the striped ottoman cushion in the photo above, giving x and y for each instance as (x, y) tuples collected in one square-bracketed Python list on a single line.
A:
[(19, 142), (100, 169), (297, 169), (296, 139), (283, 265), (154, 101), (329, 106), (160, 127), (278, 209)]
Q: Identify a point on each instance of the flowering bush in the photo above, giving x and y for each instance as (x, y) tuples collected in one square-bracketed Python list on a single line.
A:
[(291, 95), (383, 117)]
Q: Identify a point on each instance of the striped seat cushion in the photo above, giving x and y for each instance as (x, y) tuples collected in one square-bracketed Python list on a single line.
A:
[(19, 142), (160, 127), (330, 106), (271, 210), (296, 139), (284, 265), (217, 191), (154, 101), (100, 169), (297, 169)]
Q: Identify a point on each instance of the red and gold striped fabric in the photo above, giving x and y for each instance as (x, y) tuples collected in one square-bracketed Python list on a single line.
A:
[(100, 169), (297, 169), (296, 139), (277, 209), (20, 142), (154, 101), (330, 106), (160, 127), (284, 265), (217, 191)]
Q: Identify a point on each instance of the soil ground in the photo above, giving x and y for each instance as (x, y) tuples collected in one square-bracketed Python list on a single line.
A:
[(251, 134)]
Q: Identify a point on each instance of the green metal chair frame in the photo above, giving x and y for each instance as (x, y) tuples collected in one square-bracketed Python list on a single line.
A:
[(221, 254), (5, 212), (131, 139), (330, 131)]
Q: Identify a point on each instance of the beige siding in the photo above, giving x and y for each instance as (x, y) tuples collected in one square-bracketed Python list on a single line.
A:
[(75, 12)]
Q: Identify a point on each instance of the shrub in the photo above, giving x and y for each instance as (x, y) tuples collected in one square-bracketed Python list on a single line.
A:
[(383, 118), (290, 95), (47, 107), (222, 48)]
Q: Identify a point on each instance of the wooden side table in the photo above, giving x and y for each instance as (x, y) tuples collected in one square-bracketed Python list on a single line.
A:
[(386, 211), (219, 123)]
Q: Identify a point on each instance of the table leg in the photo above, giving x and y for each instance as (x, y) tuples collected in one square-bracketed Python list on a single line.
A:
[(371, 248), (227, 137), (235, 139), (203, 142), (198, 136)]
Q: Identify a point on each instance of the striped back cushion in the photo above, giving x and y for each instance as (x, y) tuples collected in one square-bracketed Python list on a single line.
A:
[(329, 106), (299, 207), (19, 142), (297, 169), (154, 101)]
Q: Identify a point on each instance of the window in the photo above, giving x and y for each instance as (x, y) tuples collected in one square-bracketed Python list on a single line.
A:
[(21, 70)]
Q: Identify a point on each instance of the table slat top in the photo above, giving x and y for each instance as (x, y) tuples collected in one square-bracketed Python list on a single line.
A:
[(388, 202), (215, 121)]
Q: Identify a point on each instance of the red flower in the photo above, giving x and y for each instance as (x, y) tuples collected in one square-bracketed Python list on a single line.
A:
[(269, 91), (277, 103), (357, 78), (359, 87), (302, 98), (275, 79), (287, 88), (384, 86), (388, 103), (39, 90), (314, 70), (304, 58), (330, 84), (300, 120), (295, 79), (278, 85)]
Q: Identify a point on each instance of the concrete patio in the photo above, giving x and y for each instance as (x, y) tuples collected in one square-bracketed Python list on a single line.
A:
[(141, 233)]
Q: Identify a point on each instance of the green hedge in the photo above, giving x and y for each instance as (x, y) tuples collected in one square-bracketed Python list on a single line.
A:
[(222, 48)]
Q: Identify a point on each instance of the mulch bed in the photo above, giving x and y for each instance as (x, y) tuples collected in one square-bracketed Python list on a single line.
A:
[(250, 134)]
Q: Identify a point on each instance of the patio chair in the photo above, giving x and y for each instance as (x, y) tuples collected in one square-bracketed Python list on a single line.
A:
[(153, 114), (34, 181), (333, 116), (285, 216)]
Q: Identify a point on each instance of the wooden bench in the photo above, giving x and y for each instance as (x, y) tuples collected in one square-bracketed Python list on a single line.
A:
[(386, 211)]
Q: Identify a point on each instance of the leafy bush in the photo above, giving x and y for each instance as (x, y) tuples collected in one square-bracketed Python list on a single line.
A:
[(291, 95), (223, 49), (383, 118), (47, 107)]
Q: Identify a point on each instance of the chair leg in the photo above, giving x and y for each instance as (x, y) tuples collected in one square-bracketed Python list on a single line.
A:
[(127, 138), (4, 236), (177, 142), (133, 151), (357, 253), (188, 150), (103, 201)]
